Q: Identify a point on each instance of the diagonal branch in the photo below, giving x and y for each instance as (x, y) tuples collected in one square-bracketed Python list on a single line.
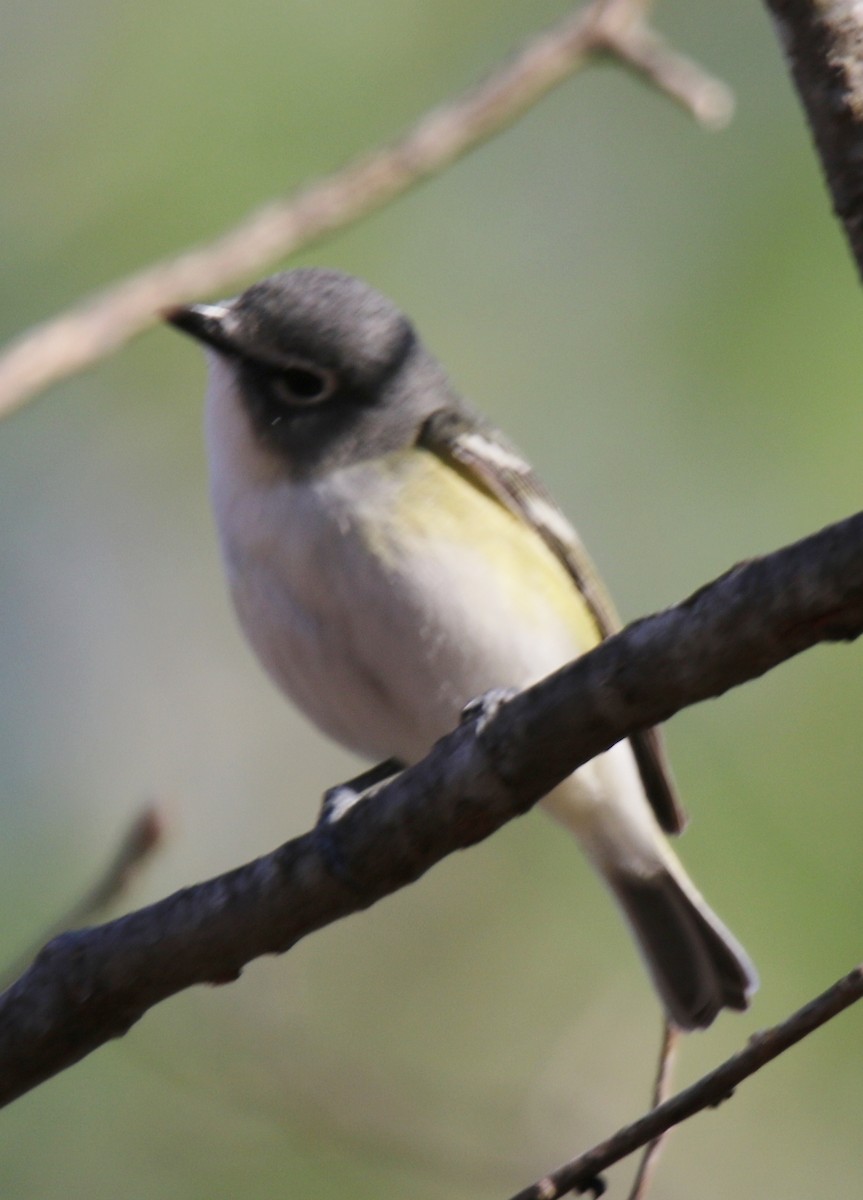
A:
[(87, 987), (824, 45), (98, 326), (583, 1173)]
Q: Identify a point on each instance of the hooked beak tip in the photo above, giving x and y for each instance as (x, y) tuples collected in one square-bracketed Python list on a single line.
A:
[(204, 322)]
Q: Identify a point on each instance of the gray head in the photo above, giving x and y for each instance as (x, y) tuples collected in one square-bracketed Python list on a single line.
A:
[(328, 370)]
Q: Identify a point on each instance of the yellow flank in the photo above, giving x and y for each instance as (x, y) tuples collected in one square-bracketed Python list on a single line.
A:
[(436, 504)]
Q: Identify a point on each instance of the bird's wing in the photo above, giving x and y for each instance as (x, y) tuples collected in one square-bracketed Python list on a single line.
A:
[(481, 453)]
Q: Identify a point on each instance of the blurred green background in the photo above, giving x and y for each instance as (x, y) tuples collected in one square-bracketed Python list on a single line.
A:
[(668, 322)]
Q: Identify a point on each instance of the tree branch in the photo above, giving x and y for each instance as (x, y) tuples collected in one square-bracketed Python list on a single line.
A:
[(583, 1173), (92, 330), (87, 987), (140, 841), (824, 45)]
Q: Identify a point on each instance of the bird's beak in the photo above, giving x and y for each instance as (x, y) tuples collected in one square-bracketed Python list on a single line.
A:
[(204, 322)]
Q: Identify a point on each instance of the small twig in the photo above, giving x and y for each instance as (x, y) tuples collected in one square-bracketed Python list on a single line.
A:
[(661, 1092), (707, 99), (143, 837), (100, 325), (584, 1172)]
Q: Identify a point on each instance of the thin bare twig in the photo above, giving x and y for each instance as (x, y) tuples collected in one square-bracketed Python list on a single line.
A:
[(92, 985), (142, 838), (584, 1173), (638, 46), (661, 1092), (100, 325), (145, 835)]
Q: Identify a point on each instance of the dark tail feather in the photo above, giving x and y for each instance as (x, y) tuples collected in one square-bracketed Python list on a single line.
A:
[(698, 967)]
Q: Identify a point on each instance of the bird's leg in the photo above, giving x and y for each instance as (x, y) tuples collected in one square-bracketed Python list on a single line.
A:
[(337, 801), (482, 708)]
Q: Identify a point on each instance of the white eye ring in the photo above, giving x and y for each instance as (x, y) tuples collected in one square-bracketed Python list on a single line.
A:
[(303, 383)]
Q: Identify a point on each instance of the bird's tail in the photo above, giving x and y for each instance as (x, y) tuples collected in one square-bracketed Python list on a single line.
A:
[(696, 964)]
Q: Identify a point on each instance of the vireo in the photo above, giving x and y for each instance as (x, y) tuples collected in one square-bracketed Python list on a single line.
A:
[(391, 556)]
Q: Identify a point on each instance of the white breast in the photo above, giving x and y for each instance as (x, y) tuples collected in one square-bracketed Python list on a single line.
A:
[(381, 619), (378, 631)]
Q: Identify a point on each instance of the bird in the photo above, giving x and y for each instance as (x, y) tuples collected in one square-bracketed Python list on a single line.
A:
[(391, 556)]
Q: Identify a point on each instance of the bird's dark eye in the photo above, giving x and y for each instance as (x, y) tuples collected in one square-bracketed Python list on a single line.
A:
[(304, 384)]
